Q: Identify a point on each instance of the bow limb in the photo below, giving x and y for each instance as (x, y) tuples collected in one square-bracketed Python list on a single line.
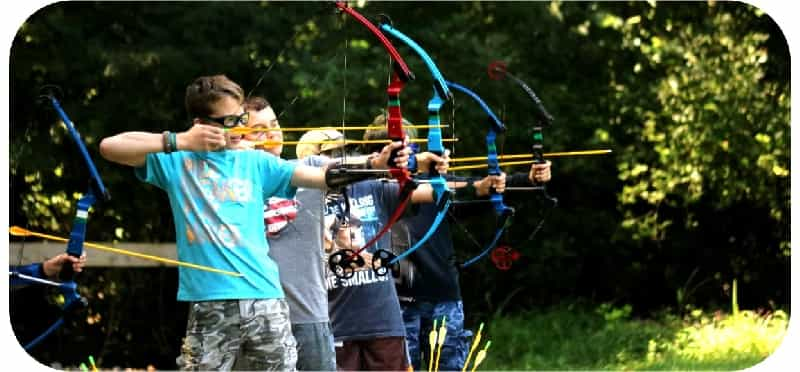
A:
[(441, 94), (505, 222), (502, 211), (400, 68), (401, 74), (96, 189), (498, 70)]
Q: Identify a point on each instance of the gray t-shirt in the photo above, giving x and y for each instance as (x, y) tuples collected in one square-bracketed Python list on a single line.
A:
[(294, 230)]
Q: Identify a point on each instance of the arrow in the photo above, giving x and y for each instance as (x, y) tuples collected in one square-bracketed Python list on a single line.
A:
[(19, 231), (481, 356), (345, 142), (474, 346), (246, 130), (529, 156), (510, 163)]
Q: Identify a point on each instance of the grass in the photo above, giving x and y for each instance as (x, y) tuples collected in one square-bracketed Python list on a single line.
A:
[(608, 338)]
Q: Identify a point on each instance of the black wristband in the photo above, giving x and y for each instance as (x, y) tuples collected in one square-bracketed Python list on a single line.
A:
[(467, 192), (165, 142), (368, 163)]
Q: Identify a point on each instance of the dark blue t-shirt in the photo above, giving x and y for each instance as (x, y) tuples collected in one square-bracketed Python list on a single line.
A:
[(436, 275), (365, 306)]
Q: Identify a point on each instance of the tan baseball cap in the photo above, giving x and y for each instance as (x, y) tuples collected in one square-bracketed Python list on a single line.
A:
[(305, 149)]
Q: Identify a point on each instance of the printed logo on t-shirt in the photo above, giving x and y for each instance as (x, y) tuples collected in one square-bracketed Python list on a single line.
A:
[(279, 213)]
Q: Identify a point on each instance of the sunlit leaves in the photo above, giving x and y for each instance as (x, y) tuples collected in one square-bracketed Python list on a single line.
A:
[(711, 102)]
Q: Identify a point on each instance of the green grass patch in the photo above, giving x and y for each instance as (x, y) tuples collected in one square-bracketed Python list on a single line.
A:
[(608, 338)]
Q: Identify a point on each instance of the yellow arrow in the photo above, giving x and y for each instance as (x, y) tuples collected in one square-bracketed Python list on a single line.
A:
[(528, 156), (481, 356), (19, 231), (432, 343), (510, 163), (475, 342), (345, 142), (440, 341), (246, 130)]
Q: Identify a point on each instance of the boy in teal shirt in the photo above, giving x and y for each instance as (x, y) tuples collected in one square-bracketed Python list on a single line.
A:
[(217, 199)]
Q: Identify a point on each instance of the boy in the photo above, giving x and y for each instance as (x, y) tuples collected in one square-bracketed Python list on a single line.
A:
[(294, 231), (365, 312), (217, 200)]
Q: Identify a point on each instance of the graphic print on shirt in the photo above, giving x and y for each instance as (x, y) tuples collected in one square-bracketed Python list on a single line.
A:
[(220, 196), (351, 233), (278, 214)]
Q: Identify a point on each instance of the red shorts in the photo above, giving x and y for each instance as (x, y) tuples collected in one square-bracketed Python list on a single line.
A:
[(378, 354)]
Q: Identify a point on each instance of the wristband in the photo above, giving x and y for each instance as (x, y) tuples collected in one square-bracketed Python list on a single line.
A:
[(165, 142), (467, 192), (173, 142)]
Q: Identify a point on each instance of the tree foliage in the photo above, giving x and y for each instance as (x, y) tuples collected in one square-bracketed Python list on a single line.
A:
[(692, 97)]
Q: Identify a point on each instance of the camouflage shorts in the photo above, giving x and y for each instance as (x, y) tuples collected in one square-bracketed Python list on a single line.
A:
[(257, 333)]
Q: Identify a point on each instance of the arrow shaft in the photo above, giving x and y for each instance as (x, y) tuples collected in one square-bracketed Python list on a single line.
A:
[(136, 254), (529, 156), (245, 130), (346, 142)]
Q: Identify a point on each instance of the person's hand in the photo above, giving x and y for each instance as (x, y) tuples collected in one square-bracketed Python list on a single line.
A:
[(484, 186), (540, 173), (400, 161), (367, 261), (53, 266), (202, 137), (425, 159)]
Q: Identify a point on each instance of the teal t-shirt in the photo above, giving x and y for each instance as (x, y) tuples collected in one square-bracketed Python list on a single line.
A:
[(217, 201)]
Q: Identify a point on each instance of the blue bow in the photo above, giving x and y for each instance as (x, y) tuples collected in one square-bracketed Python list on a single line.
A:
[(503, 212), (441, 94), (96, 189)]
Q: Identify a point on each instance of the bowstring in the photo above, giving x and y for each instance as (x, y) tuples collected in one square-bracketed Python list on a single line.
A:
[(344, 197), (286, 46)]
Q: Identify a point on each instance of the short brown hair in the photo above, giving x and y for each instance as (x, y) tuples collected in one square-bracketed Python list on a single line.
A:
[(377, 131), (205, 91), (255, 103)]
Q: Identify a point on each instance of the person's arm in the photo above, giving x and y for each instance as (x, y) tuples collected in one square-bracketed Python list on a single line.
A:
[(131, 148), (539, 173), (475, 189), (325, 178), (50, 268), (34, 270), (423, 194), (426, 159), (309, 177), (53, 266), (379, 160)]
